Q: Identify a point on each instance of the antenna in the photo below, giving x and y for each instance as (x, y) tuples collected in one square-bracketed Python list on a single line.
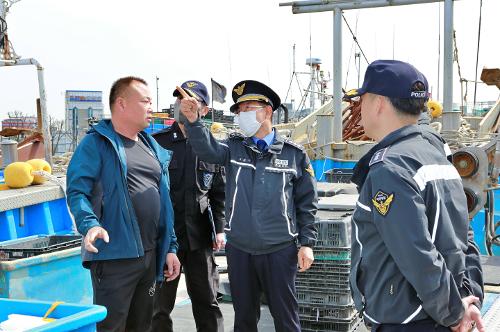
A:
[(393, 37)]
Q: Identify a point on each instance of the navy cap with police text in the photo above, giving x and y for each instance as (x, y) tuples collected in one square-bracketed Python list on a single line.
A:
[(196, 89), (393, 79), (254, 91)]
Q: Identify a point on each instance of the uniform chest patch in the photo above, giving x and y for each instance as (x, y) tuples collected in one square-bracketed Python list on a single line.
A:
[(382, 202), (207, 178), (281, 163)]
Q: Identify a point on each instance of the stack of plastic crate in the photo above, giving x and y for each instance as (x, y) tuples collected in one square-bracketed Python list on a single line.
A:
[(323, 292)]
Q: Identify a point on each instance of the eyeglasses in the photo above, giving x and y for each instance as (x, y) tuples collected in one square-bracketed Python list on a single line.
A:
[(249, 108)]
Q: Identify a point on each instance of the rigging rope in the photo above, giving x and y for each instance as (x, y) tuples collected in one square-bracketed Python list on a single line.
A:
[(455, 58), (355, 39), (350, 54), (477, 52)]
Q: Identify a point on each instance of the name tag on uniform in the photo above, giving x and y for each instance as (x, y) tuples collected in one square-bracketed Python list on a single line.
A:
[(281, 163)]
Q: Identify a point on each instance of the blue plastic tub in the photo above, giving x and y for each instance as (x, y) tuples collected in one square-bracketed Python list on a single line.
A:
[(56, 276), (320, 166), (70, 317), (44, 218)]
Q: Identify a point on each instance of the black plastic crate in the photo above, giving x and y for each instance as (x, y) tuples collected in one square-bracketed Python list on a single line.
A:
[(38, 246), (337, 256), (339, 175), (334, 233), (322, 313), (321, 296), (330, 326)]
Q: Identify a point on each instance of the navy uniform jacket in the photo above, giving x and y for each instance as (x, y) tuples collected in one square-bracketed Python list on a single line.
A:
[(194, 185), (410, 233), (271, 197)]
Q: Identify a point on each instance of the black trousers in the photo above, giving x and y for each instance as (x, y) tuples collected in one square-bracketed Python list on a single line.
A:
[(202, 282), (426, 325), (274, 274), (126, 288)]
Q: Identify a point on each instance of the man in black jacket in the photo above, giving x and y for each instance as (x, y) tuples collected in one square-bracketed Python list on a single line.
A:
[(197, 192)]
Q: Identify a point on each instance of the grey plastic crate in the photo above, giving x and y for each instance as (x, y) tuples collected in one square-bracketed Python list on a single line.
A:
[(322, 313), (333, 232), (330, 326), (335, 281), (321, 296)]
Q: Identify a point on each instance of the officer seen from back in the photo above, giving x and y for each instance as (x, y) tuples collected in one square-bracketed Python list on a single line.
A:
[(410, 225)]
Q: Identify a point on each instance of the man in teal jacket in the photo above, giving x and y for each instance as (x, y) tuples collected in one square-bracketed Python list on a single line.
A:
[(118, 193)]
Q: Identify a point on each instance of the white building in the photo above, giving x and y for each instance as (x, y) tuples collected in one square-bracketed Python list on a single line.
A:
[(82, 107)]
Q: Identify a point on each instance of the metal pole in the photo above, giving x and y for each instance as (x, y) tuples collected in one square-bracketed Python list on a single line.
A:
[(157, 94), (337, 75), (2, 9), (43, 102), (47, 139), (299, 7), (439, 51), (212, 89), (312, 95), (74, 127), (449, 121)]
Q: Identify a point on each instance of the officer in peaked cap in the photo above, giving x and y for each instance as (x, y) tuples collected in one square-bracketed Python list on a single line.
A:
[(270, 206), (254, 91), (197, 192), (411, 216)]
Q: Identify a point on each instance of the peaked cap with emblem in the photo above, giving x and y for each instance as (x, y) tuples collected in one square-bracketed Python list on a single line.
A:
[(196, 90), (254, 91)]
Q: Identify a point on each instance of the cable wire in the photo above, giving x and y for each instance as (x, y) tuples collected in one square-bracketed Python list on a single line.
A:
[(477, 52), (355, 39)]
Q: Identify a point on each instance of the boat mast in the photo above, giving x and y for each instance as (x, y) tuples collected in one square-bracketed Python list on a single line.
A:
[(451, 120)]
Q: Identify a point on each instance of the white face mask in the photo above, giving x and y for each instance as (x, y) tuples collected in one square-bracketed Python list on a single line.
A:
[(248, 123)]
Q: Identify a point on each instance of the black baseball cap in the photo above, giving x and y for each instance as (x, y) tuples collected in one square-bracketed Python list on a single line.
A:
[(393, 79), (196, 89), (249, 90)]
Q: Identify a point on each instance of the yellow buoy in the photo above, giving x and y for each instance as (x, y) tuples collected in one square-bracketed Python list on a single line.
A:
[(216, 127), (435, 107), (18, 175), (40, 165)]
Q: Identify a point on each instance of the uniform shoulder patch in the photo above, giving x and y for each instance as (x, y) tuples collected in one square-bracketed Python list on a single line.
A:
[(236, 135), (378, 156), (310, 170), (382, 202), (292, 143)]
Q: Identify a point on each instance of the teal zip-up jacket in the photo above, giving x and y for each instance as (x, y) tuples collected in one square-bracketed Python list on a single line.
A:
[(97, 195)]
